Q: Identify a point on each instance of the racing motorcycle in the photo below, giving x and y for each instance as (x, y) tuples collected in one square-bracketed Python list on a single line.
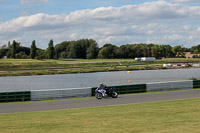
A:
[(103, 94)]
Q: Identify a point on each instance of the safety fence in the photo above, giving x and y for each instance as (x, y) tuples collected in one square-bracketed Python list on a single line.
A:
[(125, 89), (37, 95), (169, 86), (196, 84), (15, 96)]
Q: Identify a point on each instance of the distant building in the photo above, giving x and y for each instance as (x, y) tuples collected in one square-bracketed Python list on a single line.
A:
[(5, 57), (167, 65), (145, 59), (189, 55), (148, 58), (138, 59)]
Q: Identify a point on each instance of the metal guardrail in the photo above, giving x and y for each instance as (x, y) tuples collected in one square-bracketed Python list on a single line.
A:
[(38, 95), (120, 89)]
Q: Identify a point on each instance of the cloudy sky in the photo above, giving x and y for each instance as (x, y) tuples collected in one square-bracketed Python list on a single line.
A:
[(174, 22)]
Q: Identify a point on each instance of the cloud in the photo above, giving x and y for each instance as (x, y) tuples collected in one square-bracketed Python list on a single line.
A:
[(22, 2), (189, 1), (153, 22)]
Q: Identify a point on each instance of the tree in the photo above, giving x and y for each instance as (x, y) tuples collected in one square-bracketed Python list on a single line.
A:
[(21, 55), (139, 50), (33, 50), (92, 50), (50, 50), (108, 51), (40, 54), (74, 50), (125, 51), (62, 49), (167, 51), (178, 51), (83, 48), (195, 49), (154, 51), (13, 49), (3, 51)]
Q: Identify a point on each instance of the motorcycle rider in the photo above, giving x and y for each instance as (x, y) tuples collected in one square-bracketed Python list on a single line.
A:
[(102, 87)]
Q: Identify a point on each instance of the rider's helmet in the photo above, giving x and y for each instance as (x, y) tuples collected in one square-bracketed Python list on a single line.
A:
[(101, 85)]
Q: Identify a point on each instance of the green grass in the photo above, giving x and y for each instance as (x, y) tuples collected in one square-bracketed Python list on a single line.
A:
[(30, 63), (75, 70), (87, 61), (65, 66), (180, 116), (182, 59)]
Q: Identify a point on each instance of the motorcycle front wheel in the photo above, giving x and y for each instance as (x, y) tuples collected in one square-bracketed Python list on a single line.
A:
[(114, 95), (98, 96)]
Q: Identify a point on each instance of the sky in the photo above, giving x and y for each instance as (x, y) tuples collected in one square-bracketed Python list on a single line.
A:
[(119, 22)]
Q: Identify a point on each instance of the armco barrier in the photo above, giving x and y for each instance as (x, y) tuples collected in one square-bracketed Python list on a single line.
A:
[(125, 89), (168, 86), (37, 95), (15, 96), (196, 84)]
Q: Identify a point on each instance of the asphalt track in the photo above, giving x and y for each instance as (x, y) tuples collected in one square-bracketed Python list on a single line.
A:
[(93, 102)]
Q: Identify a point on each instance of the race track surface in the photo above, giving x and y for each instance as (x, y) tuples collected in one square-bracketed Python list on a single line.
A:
[(93, 102)]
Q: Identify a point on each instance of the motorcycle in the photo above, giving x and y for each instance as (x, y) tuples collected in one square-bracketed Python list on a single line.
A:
[(103, 94)]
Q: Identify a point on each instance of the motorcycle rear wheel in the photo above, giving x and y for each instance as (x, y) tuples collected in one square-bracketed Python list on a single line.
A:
[(114, 95)]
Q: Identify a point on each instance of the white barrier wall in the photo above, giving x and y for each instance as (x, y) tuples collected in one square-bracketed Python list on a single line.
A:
[(37, 95), (171, 85)]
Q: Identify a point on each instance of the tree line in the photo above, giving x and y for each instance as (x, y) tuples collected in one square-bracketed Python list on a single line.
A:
[(89, 49)]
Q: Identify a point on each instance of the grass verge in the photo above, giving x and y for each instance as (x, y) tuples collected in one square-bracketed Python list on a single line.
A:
[(25, 67), (180, 116)]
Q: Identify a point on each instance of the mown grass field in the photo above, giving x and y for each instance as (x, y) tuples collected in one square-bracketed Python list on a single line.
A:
[(180, 116), (23, 67)]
